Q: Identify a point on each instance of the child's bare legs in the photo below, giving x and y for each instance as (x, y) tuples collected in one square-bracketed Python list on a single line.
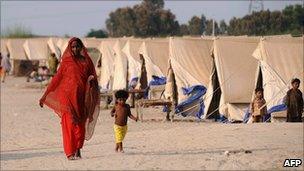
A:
[(117, 147), (120, 147)]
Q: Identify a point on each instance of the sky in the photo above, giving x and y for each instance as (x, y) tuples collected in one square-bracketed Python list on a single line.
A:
[(76, 18)]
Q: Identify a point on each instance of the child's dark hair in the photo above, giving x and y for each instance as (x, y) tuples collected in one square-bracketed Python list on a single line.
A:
[(259, 89), (122, 94), (295, 80)]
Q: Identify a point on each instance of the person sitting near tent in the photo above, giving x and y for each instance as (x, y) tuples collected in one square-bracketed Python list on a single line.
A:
[(258, 108), (33, 75), (121, 111), (39, 74), (294, 102), (5, 66), (45, 73), (53, 63)]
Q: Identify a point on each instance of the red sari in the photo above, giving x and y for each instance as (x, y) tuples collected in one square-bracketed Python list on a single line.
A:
[(73, 94)]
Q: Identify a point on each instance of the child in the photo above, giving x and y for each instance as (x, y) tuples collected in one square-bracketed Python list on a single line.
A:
[(256, 111), (294, 102), (121, 111)]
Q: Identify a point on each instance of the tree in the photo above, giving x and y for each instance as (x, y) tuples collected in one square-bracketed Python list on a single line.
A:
[(288, 21), (121, 22), (97, 33), (203, 23), (145, 19), (153, 4), (167, 24), (195, 26), (223, 27), (209, 27), (184, 30)]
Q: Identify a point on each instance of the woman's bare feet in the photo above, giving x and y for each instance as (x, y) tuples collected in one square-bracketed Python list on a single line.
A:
[(71, 157)]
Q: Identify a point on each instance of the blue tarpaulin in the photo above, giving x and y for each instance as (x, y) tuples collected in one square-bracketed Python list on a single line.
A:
[(247, 115), (133, 82), (195, 94), (277, 108), (157, 80)]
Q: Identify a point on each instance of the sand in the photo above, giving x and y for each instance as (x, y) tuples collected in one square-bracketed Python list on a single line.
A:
[(31, 139)]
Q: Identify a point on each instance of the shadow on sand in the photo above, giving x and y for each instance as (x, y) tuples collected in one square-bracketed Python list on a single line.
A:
[(26, 155)]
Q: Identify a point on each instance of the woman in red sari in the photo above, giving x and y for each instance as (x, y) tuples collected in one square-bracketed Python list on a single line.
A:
[(73, 95)]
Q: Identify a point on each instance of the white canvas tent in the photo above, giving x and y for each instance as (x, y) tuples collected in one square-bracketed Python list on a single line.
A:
[(156, 55), (120, 66), (236, 71), (53, 46), (62, 44), (280, 60), (3, 46), (191, 64), (131, 51), (37, 49), (20, 63), (15, 48), (107, 63), (91, 42)]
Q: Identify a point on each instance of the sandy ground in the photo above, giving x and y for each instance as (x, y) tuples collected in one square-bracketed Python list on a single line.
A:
[(31, 139)]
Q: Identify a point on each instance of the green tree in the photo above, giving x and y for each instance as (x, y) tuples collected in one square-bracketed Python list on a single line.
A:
[(203, 23), (223, 29), (153, 4), (195, 26), (121, 22), (184, 30), (145, 19), (97, 33), (167, 24), (209, 27)]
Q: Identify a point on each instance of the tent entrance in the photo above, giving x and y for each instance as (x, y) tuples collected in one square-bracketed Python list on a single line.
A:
[(259, 83), (213, 109), (143, 80)]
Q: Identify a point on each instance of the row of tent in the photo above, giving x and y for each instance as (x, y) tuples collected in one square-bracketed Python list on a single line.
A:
[(206, 76), (26, 52)]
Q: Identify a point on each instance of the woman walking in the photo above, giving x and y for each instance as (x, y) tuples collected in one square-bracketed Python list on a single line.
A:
[(73, 94)]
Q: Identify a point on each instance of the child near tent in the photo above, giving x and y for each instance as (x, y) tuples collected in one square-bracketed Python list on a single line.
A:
[(257, 112), (121, 111), (294, 102)]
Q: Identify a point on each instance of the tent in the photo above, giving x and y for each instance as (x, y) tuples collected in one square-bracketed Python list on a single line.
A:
[(155, 56), (280, 60), (235, 69), (21, 65), (53, 46), (190, 68), (15, 48), (107, 63), (134, 65), (3, 44), (37, 49), (91, 42), (62, 44), (120, 66)]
